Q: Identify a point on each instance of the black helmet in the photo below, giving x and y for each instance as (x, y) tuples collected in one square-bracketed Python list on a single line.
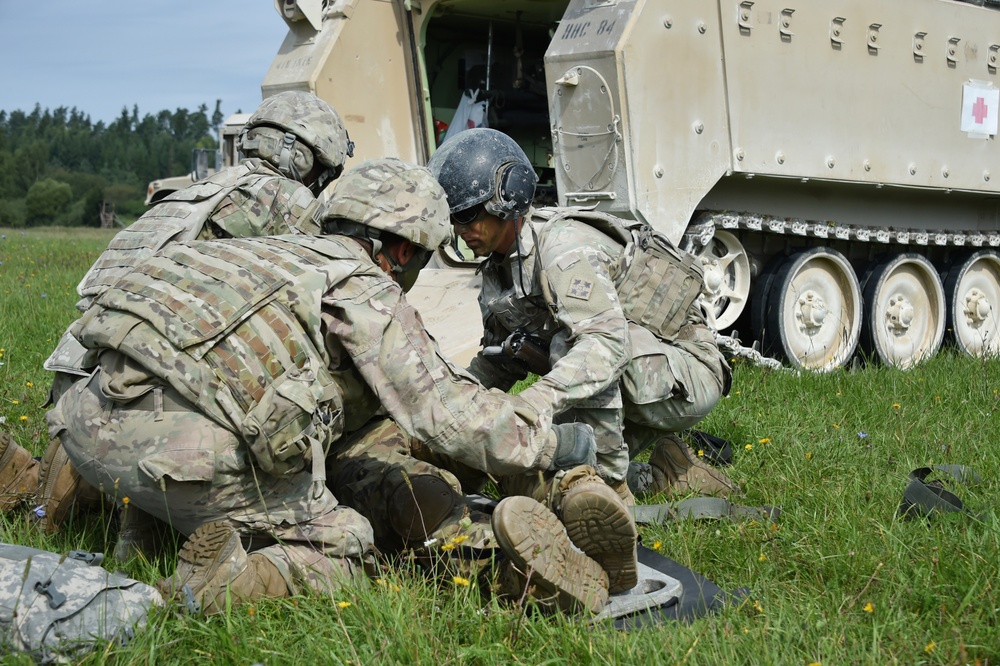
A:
[(484, 166)]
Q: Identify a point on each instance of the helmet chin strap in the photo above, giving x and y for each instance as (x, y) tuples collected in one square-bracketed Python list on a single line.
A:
[(285, 163)]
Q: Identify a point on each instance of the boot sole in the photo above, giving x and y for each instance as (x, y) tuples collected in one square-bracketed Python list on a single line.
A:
[(537, 545), (600, 525), (213, 551)]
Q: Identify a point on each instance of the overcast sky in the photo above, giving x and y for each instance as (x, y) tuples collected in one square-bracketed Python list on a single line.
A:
[(100, 56)]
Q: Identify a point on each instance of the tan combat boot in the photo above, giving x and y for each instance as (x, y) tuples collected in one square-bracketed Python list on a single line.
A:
[(139, 533), (18, 474), (677, 469), (212, 567), (624, 492), (600, 524), (60, 488), (543, 560)]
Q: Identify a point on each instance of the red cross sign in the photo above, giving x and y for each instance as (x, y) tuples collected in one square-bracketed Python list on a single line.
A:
[(980, 106)]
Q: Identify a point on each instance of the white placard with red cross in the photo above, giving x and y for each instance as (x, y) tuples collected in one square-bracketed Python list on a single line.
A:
[(980, 106)]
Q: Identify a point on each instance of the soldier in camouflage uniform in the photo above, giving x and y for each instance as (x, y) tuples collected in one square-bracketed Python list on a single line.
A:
[(549, 274), (295, 144), (227, 369)]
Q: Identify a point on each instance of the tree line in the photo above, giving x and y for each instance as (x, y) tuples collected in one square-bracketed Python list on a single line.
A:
[(58, 167)]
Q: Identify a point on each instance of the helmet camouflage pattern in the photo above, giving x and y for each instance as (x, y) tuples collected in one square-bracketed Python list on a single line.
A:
[(313, 121), (395, 197)]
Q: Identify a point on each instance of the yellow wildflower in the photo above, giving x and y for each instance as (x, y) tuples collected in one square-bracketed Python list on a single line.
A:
[(28, 384), (869, 608), (764, 440), (251, 611), (809, 455), (448, 546), (836, 427), (459, 539), (16, 402), (701, 453), (815, 663), (930, 647), (125, 500), (458, 580), (23, 417), (748, 447), (343, 604), (757, 607), (657, 545), (762, 558), (896, 405)]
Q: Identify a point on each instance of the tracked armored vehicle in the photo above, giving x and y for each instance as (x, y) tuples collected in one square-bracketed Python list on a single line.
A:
[(833, 163)]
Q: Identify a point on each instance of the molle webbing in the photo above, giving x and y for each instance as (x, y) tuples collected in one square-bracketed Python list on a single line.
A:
[(179, 217), (242, 318), (656, 283)]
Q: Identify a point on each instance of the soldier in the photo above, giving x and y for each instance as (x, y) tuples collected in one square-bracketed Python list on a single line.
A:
[(295, 144), (414, 495), (551, 276), (227, 369)]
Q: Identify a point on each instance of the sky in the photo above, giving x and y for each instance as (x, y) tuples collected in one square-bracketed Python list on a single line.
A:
[(101, 56)]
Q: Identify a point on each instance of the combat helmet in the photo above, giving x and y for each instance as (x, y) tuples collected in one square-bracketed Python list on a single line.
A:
[(294, 130), (390, 196), (484, 167)]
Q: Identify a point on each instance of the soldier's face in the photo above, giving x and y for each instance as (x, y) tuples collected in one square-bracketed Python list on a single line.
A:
[(486, 234)]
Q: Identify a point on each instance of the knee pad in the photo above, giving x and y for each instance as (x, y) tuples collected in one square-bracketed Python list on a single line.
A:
[(419, 507)]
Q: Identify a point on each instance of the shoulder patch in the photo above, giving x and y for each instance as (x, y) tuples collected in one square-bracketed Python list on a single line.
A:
[(580, 288)]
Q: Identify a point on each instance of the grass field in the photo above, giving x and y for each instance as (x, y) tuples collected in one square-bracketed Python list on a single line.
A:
[(839, 580)]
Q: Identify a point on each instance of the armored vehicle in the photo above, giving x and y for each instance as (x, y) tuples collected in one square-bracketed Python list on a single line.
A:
[(224, 156), (832, 163)]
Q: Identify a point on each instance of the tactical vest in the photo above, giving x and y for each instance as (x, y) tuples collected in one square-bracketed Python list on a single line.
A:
[(234, 326), (182, 216), (656, 283)]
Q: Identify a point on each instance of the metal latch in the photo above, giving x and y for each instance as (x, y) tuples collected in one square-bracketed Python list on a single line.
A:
[(837, 31), (953, 50), (744, 18), (785, 24), (918, 45), (873, 44)]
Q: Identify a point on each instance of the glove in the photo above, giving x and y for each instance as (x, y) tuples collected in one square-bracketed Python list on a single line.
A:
[(575, 446)]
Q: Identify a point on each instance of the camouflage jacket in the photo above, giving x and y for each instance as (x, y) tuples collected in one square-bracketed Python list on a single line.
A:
[(251, 199), (311, 313), (589, 336)]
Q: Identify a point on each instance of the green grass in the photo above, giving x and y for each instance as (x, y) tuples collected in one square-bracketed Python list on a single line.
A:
[(840, 580)]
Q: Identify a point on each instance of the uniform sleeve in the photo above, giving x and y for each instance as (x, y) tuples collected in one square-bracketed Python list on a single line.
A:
[(593, 325), (430, 399)]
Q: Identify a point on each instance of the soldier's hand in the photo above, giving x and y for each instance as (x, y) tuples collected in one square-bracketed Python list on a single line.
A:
[(575, 446)]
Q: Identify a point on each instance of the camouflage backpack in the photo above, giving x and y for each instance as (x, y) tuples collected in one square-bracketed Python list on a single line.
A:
[(55, 605)]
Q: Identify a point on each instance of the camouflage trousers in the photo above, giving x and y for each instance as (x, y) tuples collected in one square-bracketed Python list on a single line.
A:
[(415, 497), (667, 387), (161, 455), (410, 495)]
